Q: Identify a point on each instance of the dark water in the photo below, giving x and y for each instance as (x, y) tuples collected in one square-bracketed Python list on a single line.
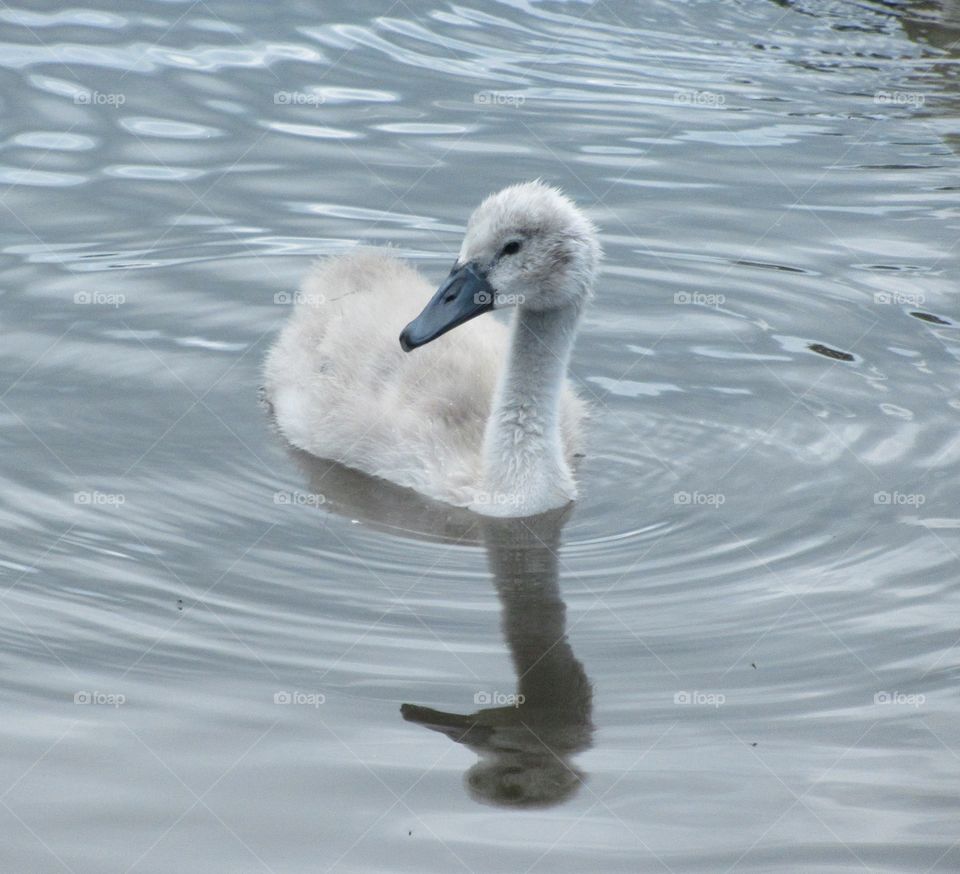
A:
[(739, 652)]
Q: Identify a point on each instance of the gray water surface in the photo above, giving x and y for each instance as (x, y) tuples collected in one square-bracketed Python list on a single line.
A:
[(740, 650)]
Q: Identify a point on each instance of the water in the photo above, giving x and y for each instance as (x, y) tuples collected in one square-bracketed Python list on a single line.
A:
[(739, 651)]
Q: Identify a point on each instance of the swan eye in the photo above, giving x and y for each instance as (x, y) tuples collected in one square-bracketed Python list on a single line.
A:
[(511, 248)]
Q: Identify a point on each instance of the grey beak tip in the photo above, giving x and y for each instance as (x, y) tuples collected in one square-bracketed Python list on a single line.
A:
[(464, 294)]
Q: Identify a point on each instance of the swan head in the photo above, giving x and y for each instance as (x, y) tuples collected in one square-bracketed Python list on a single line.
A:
[(526, 246)]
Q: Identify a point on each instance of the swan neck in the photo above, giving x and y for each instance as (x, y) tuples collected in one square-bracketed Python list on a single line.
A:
[(523, 450), (539, 354)]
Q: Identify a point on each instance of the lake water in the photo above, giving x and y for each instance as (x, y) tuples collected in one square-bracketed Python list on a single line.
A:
[(739, 652)]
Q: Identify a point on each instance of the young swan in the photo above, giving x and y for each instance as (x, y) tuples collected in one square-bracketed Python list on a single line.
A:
[(453, 420)]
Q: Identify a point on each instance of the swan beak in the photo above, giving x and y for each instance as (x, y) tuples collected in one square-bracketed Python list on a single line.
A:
[(464, 294)]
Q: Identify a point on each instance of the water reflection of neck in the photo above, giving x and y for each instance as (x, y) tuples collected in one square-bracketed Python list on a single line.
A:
[(523, 558)]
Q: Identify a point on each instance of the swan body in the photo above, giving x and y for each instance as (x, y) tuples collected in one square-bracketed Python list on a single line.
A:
[(480, 417)]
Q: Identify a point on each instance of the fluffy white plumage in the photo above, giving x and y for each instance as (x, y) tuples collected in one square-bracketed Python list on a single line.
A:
[(483, 416)]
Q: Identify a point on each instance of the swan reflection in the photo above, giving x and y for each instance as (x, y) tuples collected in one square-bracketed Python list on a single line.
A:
[(525, 743)]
